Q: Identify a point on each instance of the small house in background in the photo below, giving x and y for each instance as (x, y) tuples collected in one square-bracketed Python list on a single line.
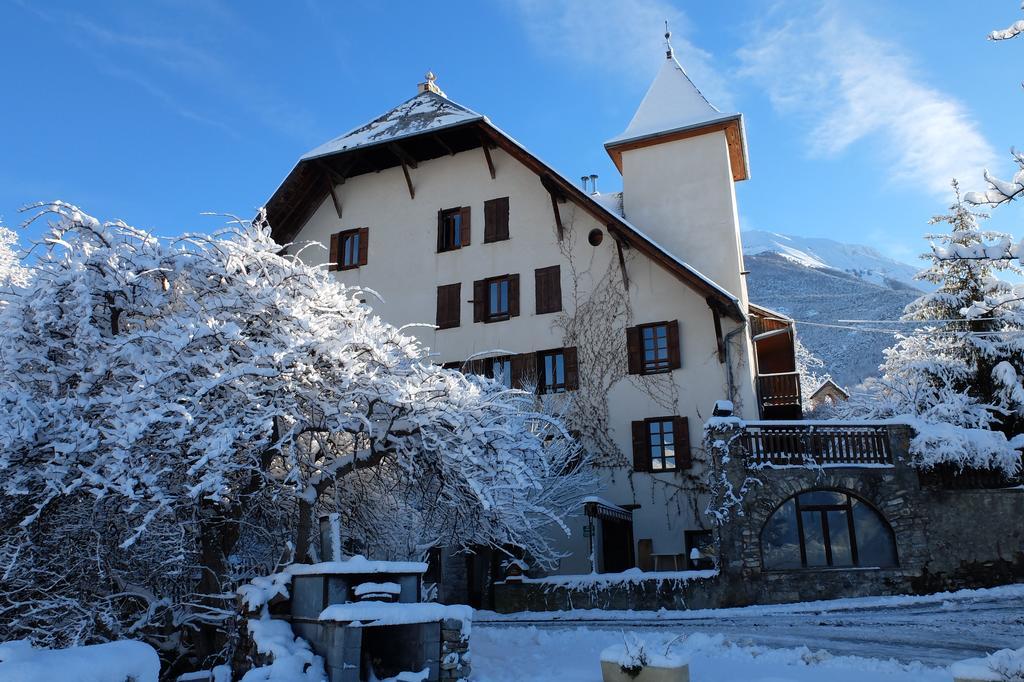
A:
[(827, 395)]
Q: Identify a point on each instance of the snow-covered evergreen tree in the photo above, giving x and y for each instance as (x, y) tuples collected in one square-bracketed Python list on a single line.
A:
[(174, 414), (957, 375)]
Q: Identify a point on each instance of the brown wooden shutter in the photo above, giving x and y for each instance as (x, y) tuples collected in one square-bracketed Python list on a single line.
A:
[(464, 238), (681, 430), (572, 369), (513, 295), (480, 300), (634, 350), (364, 241), (641, 449), (335, 238), (496, 219), (674, 350), (489, 226), (548, 288), (524, 370), (440, 229), (448, 305)]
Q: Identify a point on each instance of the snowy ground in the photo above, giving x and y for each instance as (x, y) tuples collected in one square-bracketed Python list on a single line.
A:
[(882, 639)]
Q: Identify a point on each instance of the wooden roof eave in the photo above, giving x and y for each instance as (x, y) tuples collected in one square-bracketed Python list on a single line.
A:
[(735, 137), (316, 175)]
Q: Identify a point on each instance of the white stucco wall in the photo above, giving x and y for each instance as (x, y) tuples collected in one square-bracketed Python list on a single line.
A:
[(681, 193), (405, 269)]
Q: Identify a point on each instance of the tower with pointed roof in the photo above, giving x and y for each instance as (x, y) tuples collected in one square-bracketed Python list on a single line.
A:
[(680, 158)]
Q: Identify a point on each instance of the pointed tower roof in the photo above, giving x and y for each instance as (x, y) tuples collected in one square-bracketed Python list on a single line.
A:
[(674, 108), (672, 102)]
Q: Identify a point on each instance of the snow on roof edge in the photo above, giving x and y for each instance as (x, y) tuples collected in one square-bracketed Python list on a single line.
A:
[(621, 139)]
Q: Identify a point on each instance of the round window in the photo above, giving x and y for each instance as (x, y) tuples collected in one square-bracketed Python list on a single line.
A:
[(595, 237)]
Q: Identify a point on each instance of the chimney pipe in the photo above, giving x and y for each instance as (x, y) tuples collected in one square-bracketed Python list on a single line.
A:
[(584, 181), (593, 181)]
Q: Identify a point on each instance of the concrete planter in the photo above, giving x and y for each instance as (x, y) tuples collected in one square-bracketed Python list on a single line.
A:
[(613, 672)]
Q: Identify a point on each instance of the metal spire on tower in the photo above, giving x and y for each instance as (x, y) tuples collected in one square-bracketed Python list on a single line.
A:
[(668, 41)]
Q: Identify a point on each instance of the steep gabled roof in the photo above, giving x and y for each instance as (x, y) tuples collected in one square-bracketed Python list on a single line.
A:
[(426, 112), (429, 126)]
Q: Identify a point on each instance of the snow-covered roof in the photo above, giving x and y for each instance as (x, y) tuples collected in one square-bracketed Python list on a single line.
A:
[(427, 111), (357, 564), (826, 383), (430, 112), (672, 103), (612, 201)]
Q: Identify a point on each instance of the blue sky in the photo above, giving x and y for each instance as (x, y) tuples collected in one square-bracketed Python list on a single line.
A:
[(857, 114)]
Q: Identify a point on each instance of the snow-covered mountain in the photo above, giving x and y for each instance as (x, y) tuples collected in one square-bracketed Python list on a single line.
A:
[(863, 262), (822, 282)]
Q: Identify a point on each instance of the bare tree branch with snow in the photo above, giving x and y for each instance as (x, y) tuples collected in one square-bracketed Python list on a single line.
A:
[(173, 413)]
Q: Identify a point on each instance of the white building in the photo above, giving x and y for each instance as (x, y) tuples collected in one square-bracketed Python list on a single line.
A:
[(632, 305)]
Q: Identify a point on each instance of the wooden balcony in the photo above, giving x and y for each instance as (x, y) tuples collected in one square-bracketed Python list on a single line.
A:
[(817, 443), (779, 395)]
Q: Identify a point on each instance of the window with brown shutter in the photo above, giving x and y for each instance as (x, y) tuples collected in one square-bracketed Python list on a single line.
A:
[(364, 244), (453, 229), (495, 220), (557, 370), (333, 265), (641, 453), (349, 248), (572, 369), (496, 298), (448, 305), (524, 371), (653, 348), (684, 458), (548, 289), (661, 444)]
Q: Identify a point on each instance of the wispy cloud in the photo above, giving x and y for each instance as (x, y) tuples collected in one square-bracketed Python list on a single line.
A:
[(180, 48), (620, 39), (850, 86)]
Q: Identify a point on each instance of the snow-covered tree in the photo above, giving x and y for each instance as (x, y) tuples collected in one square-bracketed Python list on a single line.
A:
[(808, 365), (957, 375), (173, 414), (1001, 191), (11, 270)]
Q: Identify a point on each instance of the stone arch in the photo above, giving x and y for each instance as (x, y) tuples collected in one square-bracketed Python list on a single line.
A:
[(826, 526)]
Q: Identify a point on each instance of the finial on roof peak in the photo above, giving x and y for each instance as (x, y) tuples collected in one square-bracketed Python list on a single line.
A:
[(430, 85), (668, 41)]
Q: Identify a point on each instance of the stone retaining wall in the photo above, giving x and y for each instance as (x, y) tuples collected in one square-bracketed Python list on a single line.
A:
[(945, 539)]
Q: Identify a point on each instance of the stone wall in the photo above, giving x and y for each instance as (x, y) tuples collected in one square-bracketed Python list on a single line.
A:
[(945, 539), (645, 595)]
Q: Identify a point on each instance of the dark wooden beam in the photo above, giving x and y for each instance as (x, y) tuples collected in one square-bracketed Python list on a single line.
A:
[(341, 173), (334, 193), (402, 155), (408, 181), (720, 340), (437, 138), (622, 256), (555, 193), (490, 162), (486, 145)]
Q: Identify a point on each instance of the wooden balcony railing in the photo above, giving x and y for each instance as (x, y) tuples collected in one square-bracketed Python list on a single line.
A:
[(777, 390), (822, 444)]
